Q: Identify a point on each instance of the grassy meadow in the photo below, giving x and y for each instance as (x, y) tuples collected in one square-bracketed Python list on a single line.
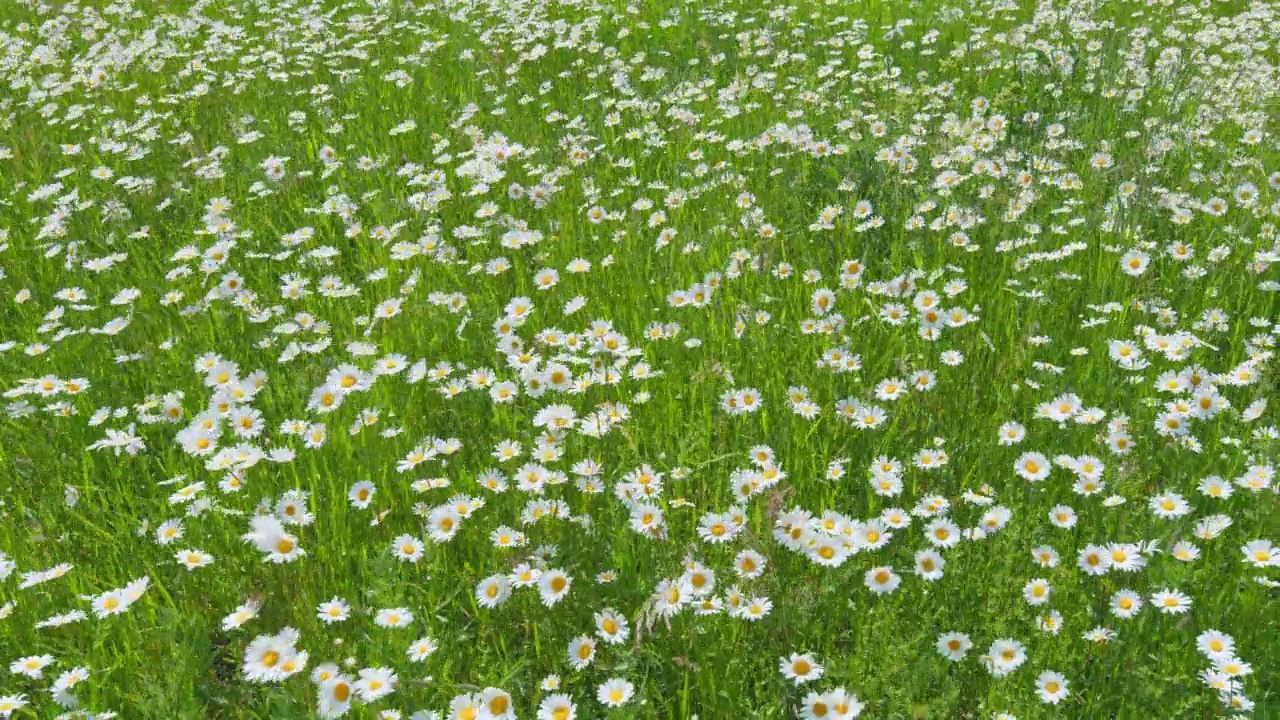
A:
[(566, 359)]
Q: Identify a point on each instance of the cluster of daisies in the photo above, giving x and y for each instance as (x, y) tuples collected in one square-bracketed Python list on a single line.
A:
[(325, 299)]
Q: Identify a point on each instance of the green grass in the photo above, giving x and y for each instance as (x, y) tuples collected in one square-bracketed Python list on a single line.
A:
[(711, 100)]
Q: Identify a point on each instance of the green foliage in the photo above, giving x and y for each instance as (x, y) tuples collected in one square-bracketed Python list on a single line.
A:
[(992, 144)]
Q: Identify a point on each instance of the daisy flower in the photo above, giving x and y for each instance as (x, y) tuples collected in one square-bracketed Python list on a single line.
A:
[(800, 669)]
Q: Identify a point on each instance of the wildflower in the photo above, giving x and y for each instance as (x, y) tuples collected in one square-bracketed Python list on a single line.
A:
[(615, 692), (553, 586), (1051, 687), (268, 535), (800, 669), (32, 665), (393, 618), (557, 707), (192, 559), (882, 580), (953, 646), (375, 683)]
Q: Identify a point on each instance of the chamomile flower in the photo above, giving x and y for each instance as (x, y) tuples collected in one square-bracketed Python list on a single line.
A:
[(882, 580), (193, 559), (333, 611), (557, 707), (800, 669), (953, 645), (1171, 602), (1125, 604), (553, 586), (334, 696), (615, 692), (1051, 686), (361, 494), (611, 626), (31, 666), (393, 618), (375, 683)]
